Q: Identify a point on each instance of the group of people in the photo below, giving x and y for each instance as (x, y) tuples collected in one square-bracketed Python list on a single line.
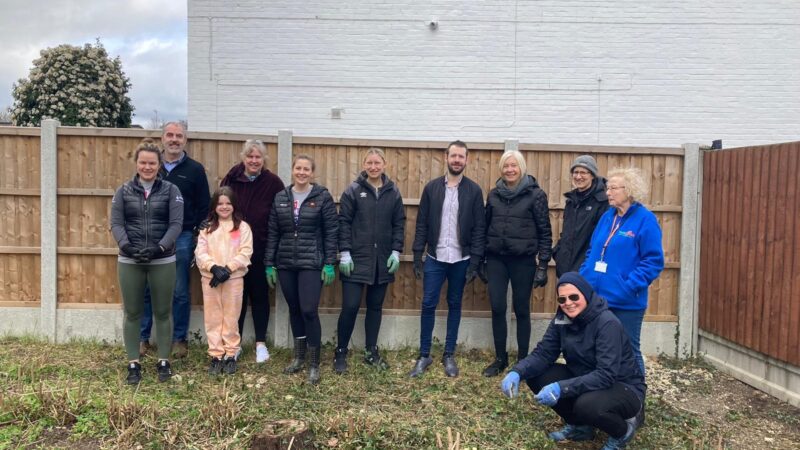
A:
[(255, 231)]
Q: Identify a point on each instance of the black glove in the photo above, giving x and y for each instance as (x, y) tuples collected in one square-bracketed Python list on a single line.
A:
[(148, 253), (540, 277), (129, 250), (472, 272), (482, 273), (200, 227), (221, 275), (418, 266)]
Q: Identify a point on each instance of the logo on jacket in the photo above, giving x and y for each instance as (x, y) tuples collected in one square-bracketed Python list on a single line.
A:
[(627, 234), (589, 208), (312, 204), (363, 195), (179, 199)]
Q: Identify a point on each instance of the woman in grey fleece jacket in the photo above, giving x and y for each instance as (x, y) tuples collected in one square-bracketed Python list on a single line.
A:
[(146, 219)]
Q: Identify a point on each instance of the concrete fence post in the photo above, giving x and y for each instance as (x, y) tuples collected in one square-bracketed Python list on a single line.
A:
[(282, 337), (688, 287), (49, 228)]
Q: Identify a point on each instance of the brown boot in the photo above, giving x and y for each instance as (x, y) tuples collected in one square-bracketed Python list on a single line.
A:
[(180, 349)]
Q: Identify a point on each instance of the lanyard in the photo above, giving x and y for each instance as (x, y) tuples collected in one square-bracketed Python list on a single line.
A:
[(614, 227)]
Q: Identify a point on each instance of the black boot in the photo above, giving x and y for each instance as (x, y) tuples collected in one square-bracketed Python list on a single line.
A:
[(373, 358), (313, 365), (299, 356), (497, 367), (340, 361)]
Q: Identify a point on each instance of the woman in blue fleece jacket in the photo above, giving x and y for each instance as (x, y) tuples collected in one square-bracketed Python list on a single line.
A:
[(625, 254)]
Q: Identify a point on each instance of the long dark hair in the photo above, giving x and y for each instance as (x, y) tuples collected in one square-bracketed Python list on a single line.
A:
[(213, 218)]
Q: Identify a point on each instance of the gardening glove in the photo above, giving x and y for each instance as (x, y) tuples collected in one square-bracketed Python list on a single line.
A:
[(482, 273), (221, 275), (328, 275), (148, 253), (418, 266), (510, 384), (472, 272), (272, 276), (540, 277), (393, 263), (346, 264), (549, 395), (129, 250)]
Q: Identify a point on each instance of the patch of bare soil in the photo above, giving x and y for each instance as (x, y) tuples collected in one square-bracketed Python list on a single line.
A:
[(746, 417), (59, 438)]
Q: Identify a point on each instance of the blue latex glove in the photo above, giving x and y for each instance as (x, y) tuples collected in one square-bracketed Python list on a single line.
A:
[(549, 395), (510, 384)]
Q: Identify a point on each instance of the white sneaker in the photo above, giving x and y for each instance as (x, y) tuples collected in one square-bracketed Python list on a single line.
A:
[(238, 352), (262, 354)]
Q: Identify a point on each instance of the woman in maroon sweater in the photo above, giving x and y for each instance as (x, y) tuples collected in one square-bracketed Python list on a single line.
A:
[(255, 187)]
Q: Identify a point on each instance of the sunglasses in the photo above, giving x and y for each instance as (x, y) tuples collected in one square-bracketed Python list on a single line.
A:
[(571, 297)]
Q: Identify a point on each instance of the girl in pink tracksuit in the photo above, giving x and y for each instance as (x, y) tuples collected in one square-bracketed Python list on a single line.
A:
[(223, 254)]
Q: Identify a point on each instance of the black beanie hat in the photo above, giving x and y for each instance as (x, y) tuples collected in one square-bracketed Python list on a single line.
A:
[(575, 279)]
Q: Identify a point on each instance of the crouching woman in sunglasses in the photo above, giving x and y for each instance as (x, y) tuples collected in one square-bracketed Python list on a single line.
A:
[(601, 385)]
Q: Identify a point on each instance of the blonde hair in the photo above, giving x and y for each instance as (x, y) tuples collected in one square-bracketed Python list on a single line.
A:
[(517, 155), (635, 186), (374, 151), (251, 144)]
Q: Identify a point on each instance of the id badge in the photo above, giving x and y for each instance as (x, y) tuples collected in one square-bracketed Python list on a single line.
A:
[(600, 266)]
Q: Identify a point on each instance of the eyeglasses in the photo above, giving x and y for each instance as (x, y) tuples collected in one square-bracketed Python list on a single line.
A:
[(614, 188), (571, 297)]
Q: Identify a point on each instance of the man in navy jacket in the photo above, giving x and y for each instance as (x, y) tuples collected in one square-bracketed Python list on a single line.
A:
[(451, 227)]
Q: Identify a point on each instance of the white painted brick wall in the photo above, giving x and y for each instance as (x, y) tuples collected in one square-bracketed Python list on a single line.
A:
[(583, 72)]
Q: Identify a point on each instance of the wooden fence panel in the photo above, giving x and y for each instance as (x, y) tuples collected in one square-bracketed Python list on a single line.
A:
[(20, 210), (412, 168), (749, 289)]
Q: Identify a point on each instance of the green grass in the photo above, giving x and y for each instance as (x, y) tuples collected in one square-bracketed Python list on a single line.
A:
[(79, 387)]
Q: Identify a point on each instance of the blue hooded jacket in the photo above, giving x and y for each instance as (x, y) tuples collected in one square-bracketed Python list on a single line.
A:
[(595, 346), (634, 257)]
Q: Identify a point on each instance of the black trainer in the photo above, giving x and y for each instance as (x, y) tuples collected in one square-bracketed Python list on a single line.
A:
[(340, 361), (373, 358), (215, 368), (164, 370), (494, 369), (229, 366), (134, 373)]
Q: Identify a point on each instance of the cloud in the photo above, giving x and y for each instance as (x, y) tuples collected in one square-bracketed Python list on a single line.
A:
[(149, 36)]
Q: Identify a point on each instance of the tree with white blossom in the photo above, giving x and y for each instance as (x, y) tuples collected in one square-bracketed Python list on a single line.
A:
[(80, 86)]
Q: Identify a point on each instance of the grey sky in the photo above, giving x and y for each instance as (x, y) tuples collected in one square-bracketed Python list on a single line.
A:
[(149, 36)]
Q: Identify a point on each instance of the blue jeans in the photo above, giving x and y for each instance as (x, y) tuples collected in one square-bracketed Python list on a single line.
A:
[(435, 274), (181, 299), (632, 324)]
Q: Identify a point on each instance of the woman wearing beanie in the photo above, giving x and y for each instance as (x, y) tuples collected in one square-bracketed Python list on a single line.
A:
[(625, 253), (585, 204), (601, 385), (518, 243)]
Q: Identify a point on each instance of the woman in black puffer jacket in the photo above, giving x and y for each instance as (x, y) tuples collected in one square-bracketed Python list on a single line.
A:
[(371, 226), (301, 242), (517, 235), (146, 219)]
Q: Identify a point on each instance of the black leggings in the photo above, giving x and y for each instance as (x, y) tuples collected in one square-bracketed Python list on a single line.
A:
[(351, 301), (519, 270), (257, 291), (302, 290), (606, 409)]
